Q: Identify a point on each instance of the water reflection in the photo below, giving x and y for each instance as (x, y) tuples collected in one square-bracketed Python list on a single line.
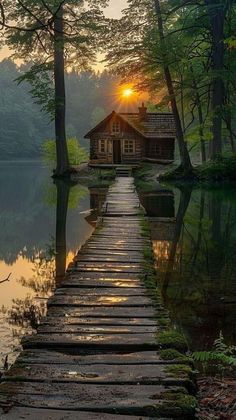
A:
[(42, 226), (194, 249)]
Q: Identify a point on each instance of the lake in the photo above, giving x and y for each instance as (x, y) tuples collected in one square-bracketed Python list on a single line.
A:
[(43, 225), (194, 243)]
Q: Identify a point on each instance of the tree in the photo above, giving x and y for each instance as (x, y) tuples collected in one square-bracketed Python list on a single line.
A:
[(184, 155), (139, 52), (55, 34)]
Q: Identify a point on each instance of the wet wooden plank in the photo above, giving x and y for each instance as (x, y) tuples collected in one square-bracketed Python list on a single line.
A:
[(101, 292), (110, 342), (26, 413), (99, 300), (142, 374), (105, 276), (132, 399), (133, 253), (108, 258), (104, 283), (67, 320), (62, 328), (103, 312), (53, 357)]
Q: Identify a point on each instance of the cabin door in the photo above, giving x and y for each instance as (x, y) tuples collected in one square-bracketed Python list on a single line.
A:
[(116, 151)]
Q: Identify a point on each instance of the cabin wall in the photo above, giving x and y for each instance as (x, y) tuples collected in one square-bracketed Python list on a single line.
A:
[(160, 149), (106, 154)]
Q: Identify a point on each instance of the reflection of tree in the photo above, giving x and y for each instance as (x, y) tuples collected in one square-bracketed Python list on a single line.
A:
[(185, 195), (200, 275), (63, 190)]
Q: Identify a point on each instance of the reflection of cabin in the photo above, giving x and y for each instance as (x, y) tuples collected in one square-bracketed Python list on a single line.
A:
[(97, 199), (160, 209), (128, 138)]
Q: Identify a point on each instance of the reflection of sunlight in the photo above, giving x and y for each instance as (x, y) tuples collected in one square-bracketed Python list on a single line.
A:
[(112, 299), (161, 251)]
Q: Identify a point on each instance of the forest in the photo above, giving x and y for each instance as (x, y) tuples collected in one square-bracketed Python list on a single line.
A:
[(24, 127), (181, 53)]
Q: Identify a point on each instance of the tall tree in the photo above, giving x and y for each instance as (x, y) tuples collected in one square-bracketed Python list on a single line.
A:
[(53, 34), (184, 155)]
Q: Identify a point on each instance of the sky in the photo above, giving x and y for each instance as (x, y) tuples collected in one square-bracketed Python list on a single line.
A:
[(113, 11)]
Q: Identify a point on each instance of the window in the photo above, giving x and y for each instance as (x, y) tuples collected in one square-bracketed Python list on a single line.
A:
[(128, 147), (116, 127), (155, 149), (102, 146)]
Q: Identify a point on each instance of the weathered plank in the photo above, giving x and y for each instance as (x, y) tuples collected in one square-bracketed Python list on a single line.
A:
[(101, 292), (62, 328), (132, 358), (103, 283), (150, 400), (101, 300), (103, 312), (113, 342), (143, 374), (18, 413), (68, 320)]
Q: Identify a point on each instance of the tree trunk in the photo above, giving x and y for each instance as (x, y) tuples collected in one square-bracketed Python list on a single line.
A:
[(63, 190), (200, 115), (63, 167), (184, 155), (216, 11)]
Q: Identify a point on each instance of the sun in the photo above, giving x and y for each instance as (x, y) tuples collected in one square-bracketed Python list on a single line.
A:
[(127, 92)]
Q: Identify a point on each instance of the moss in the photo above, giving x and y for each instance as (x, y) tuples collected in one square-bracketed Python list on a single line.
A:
[(173, 354), (179, 371), (186, 402), (172, 339)]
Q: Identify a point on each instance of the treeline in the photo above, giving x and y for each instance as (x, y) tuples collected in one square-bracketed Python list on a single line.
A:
[(23, 127)]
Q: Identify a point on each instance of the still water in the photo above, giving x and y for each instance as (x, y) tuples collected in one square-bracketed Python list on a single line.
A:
[(42, 225), (194, 243)]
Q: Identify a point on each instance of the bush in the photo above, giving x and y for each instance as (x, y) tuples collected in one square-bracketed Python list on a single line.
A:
[(77, 154), (223, 168)]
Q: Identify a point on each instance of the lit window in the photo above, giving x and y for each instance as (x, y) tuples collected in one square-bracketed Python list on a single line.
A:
[(102, 146), (116, 127), (128, 147)]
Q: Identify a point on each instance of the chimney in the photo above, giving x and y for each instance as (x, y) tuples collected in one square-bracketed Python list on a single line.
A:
[(142, 112)]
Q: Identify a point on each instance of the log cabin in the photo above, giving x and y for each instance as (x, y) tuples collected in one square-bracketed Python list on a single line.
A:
[(130, 138)]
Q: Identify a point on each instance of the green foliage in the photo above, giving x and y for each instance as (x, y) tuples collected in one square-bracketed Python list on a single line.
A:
[(221, 358), (223, 168), (172, 339), (77, 154)]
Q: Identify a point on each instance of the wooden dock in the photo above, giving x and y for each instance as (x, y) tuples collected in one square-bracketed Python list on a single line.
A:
[(97, 353)]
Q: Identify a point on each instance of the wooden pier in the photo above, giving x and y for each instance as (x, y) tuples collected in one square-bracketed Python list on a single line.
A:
[(98, 353)]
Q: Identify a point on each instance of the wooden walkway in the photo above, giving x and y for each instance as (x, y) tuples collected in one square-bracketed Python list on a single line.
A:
[(96, 354)]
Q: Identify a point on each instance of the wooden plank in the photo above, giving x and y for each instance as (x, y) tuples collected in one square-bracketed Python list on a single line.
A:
[(110, 342), (103, 312), (101, 292), (75, 282), (98, 321), (150, 400), (53, 357), (143, 374), (18, 413), (86, 251), (60, 327), (93, 300), (104, 258)]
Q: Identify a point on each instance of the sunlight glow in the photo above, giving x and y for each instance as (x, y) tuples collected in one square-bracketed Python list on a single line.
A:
[(127, 92)]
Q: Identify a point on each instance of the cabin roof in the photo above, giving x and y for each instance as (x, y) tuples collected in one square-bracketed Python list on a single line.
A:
[(155, 124)]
